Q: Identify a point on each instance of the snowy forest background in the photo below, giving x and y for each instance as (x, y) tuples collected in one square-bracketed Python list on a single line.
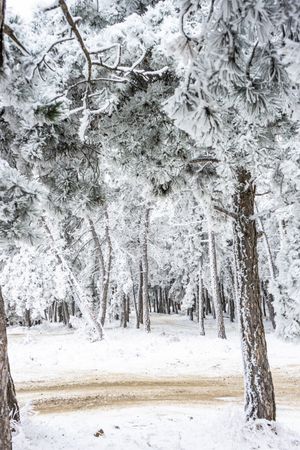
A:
[(149, 163)]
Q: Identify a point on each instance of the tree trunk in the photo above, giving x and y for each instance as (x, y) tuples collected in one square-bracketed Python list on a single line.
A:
[(107, 272), (65, 313), (27, 318), (99, 262), (272, 270), (135, 302), (104, 271), (259, 390), (214, 283), (200, 296), (269, 302), (2, 16), (146, 313), (5, 433), (140, 293), (123, 321)]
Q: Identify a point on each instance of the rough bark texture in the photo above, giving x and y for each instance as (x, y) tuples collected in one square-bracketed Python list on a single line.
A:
[(259, 390), (2, 15), (146, 313), (5, 433), (215, 285)]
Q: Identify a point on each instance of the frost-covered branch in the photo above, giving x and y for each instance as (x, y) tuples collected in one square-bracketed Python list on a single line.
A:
[(78, 36), (10, 33), (42, 60)]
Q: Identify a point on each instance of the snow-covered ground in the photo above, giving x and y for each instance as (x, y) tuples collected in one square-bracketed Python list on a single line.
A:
[(158, 428), (49, 352), (50, 355)]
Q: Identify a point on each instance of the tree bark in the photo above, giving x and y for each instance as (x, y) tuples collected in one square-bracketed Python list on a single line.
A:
[(200, 297), (99, 261), (140, 293), (134, 301), (2, 17), (146, 313), (104, 271), (27, 318), (214, 283), (5, 433), (104, 298), (259, 390)]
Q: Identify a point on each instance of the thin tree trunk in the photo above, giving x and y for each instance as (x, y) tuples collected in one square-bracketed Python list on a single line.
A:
[(107, 272), (146, 313), (272, 270), (135, 301), (5, 433), (269, 302), (140, 293), (127, 308), (27, 318), (214, 283), (259, 390), (65, 313), (123, 321), (232, 301), (2, 17), (99, 260), (200, 296)]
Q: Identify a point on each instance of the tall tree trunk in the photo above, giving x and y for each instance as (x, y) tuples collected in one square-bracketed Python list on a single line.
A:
[(104, 298), (200, 296), (135, 301), (99, 262), (272, 270), (27, 318), (214, 283), (2, 17), (140, 293), (103, 271), (269, 302), (259, 390), (146, 313), (123, 321), (5, 433)]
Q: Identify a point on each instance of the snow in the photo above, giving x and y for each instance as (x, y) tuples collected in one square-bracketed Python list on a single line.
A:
[(50, 352), (52, 355), (157, 427)]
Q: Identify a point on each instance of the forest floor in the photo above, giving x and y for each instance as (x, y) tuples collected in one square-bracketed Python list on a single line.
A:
[(167, 390)]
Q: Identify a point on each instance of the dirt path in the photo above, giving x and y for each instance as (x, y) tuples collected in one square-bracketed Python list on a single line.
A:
[(126, 389)]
